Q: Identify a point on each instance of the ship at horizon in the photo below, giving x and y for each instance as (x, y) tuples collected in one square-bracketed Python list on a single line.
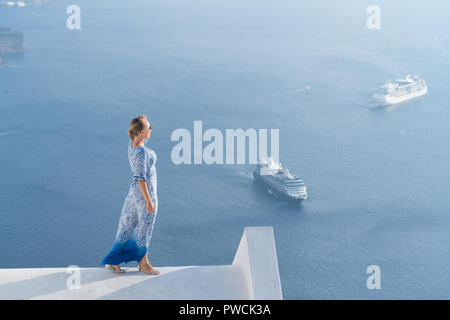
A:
[(279, 181), (399, 90)]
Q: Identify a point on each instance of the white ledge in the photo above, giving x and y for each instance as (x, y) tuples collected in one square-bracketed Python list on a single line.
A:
[(257, 256), (246, 278)]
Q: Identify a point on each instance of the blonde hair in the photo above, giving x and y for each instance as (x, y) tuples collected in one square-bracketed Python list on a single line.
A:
[(136, 126)]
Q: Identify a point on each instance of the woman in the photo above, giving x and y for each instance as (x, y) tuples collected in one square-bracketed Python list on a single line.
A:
[(140, 206)]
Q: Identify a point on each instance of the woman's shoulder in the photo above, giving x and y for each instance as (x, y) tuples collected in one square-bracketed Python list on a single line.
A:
[(141, 150), (136, 151), (150, 151)]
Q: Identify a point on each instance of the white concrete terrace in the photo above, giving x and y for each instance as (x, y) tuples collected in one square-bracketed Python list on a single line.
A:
[(252, 275)]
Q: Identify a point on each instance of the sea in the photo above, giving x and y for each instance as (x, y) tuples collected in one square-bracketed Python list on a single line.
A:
[(378, 179)]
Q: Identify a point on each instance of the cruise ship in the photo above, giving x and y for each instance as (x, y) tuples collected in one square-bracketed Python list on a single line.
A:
[(279, 181), (399, 90)]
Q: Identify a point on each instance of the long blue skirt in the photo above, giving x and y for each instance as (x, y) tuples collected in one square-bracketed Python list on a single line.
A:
[(134, 231)]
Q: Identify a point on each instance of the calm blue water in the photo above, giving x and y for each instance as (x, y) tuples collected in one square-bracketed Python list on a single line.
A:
[(378, 179)]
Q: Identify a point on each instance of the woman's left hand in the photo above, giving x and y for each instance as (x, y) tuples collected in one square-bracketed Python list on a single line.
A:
[(150, 207)]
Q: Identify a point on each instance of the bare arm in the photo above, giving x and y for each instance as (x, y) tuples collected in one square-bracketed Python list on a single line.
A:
[(146, 194)]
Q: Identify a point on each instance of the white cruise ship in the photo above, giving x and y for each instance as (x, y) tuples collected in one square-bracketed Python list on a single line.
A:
[(399, 90), (279, 181)]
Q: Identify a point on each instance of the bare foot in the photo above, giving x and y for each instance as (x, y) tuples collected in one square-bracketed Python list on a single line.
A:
[(147, 268), (114, 268)]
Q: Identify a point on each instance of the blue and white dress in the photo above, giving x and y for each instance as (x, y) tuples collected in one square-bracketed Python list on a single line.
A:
[(136, 223)]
